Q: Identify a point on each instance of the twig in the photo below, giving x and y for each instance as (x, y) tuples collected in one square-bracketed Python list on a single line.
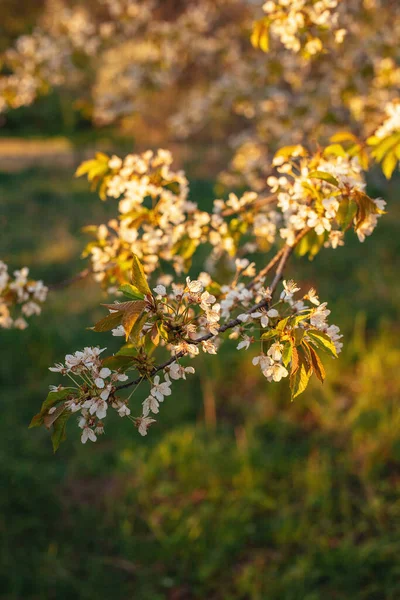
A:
[(275, 259), (251, 205), (63, 284)]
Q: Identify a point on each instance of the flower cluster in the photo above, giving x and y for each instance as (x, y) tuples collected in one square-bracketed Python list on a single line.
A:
[(300, 24), (325, 193), (91, 392), (141, 52), (19, 292), (322, 192), (156, 220)]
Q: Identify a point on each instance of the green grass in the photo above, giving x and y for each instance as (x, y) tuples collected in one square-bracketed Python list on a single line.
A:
[(266, 500)]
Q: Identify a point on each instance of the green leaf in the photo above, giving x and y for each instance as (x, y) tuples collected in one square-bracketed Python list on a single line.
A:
[(117, 362), (294, 321), (270, 334), (131, 291), (139, 280), (287, 353), (53, 398), (310, 244), (346, 213), (127, 350), (59, 433), (324, 176), (322, 341)]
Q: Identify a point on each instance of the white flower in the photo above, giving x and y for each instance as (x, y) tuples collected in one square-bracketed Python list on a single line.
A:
[(245, 343), (244, 317), (331, 206), (115, 162), (124, 410), (335, 239), (20, 323), (206, 299), (88, 434), (159, 390), (120, 377), (99, 380), (241, 263), (275, 372), (58, 368), (150, 405), (177, 371), (31, 308), (194, 286), (143, 423), (312, 297), (263, 361), (290, 288), (160, 290), (275, 351), (118, 331), (209, 347), (106, 392), (318, 318), (262, 316)]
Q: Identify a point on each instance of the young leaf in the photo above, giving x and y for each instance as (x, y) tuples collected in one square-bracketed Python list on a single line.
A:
[(343, 136), (300, 378), (295, 361), (131, 315), (137, 327), (139, 280), (111, 321), (322, 341), (131, 291), (270, 334), (260, 36), (389, 164), (317, 364), (324, 176)]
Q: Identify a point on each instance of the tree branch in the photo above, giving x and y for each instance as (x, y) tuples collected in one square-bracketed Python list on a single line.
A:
[(283, 256)]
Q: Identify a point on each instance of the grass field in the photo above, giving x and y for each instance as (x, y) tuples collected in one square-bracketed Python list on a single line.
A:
[(236, 493)]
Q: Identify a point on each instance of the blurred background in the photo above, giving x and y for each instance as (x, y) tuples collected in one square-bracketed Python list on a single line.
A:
[(236, 493)]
